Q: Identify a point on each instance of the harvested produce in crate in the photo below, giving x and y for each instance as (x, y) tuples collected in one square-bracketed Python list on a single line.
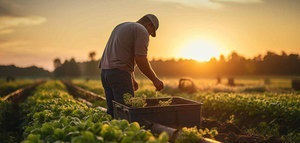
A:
[(165, 103), (136, 101), (140, 100)]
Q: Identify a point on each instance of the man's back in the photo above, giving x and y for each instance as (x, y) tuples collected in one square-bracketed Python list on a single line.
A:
[(126, 40)]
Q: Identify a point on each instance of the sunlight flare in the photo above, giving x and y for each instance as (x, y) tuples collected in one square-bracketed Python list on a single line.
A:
[(200, 50)]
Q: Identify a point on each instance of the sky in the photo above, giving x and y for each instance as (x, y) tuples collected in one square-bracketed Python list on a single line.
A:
[(34, 32)]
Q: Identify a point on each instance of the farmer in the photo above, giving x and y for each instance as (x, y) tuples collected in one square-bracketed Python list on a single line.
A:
[(127, 45)]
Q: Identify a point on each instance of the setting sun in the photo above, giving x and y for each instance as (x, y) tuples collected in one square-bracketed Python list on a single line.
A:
[(200, 50)]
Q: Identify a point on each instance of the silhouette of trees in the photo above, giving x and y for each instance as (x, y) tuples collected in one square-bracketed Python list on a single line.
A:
[(71, 68), (67, 69), (32, 71), (283, 64), (234, 64)]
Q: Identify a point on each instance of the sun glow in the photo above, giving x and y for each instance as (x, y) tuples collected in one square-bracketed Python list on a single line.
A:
[(200, 50)]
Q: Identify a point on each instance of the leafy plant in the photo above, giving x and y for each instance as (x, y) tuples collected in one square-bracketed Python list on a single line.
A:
[(136, 101), (9, 132), (165, 103), (193, 135), (52, 115)]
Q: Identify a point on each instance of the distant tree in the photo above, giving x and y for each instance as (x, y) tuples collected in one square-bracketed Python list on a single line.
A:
[(90, 67), (258, 58), (213, 60), (57, 63), (67, 69), (236, 64), (221, 66), (92, 55), (72, 68), (222, 58), (59, 71)]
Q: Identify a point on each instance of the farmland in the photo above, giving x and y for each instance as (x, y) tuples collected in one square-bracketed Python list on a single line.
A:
[(8, 87), (271, 110), (52, 114)]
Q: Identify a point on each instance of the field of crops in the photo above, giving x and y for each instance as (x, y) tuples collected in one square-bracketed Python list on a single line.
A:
[(51, 114), (8, 87), (271, 110)]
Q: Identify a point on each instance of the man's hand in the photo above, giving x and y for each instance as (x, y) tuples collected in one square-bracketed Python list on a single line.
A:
[(144, 65), (135, 85), (158, 84)]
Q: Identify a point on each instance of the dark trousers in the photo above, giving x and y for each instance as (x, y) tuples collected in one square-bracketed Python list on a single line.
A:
[(115, 83)]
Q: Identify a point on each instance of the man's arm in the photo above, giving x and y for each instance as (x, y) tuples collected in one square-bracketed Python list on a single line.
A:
[(144, 65)]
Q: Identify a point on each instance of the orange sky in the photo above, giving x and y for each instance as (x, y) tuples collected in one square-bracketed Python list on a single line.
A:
[(35, 32)]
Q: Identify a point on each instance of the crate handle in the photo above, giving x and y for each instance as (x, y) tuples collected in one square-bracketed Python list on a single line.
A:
[(125, 110), (119, 107)]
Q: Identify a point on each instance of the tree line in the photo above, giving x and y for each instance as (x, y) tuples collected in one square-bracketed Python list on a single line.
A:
[(234, 64), (11, 71), (231, 65)]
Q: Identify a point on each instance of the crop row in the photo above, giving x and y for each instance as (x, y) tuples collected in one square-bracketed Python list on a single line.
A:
[(9, 121), (269, 114), (91, 85), (8, 87), (283, 108), (52, 115)]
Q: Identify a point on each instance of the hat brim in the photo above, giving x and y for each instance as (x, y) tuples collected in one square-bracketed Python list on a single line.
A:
[(153, 34)]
